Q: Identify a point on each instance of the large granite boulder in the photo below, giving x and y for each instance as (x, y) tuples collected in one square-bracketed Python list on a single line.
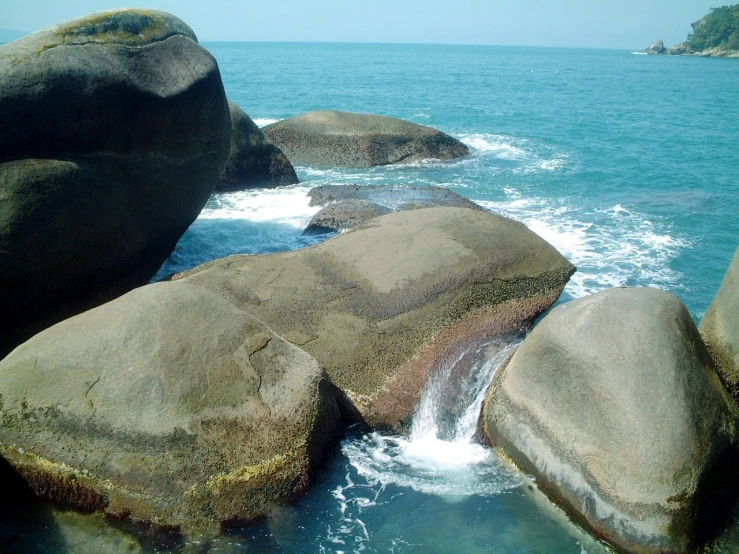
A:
[(720, 328), (168, 405), (345, 139), (346, 206), (385, 303), (612, 403), (115, 130), (253, 161), (658, 47)]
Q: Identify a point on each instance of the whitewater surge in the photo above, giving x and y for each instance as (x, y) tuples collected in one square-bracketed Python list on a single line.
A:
[(610, 247)]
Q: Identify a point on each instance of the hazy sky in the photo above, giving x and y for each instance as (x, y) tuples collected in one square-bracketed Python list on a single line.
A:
[(587, 23)]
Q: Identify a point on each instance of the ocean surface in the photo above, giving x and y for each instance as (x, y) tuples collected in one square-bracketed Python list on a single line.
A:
[(627, 164)]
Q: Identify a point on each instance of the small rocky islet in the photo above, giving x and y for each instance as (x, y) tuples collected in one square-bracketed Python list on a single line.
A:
[(209, 399), (714, 36)]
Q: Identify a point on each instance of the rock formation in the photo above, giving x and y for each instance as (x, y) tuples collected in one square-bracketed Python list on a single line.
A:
[(344, 139), (168, 406), (385, 303), (720, 328), (253, 161), (613, 405), (346, 206), (115, 129)]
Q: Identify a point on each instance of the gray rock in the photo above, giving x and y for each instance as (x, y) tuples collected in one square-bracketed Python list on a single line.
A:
[(169, 406), (720, 328), (656, 48), (384, 304), (115, 132), (612, 403), (344, 215), (395, 197), (678, 49), (253, 160), (346, 206), (333, 138)]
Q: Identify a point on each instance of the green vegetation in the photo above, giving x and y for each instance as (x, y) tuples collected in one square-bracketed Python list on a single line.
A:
[(719, 29)]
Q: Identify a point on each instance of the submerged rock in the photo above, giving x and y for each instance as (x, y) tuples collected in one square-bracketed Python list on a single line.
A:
[(613, 405), (720, 328), (344, 215), (384, 304), (345, 139), (347, 206), (168, 406), (253, 161), (115, 129)]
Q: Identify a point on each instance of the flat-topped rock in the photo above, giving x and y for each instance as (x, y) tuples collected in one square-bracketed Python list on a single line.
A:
[(115, 130), (332, 138), (253, 161), (346, 206), (385, 303), (168, 406), (613, 405)]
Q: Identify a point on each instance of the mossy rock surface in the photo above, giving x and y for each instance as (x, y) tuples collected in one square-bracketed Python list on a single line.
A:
[(332, 138), (253, 161), (115, 133), (384, 304), (613, 405), (168, 406), (720, 328)]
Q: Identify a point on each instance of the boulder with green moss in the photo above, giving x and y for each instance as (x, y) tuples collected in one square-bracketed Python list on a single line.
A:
[(115, 130), (613, 405), (332, 138), (720, 328), (253, 161), (386, 303), (169, 406)]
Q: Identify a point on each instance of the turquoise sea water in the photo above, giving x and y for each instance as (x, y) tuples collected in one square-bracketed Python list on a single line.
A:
[(628, 164)]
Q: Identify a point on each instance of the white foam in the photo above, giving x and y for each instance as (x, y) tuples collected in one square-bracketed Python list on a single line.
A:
[(527, 158), (452, 465), (264, 121), (610, 247), (286, 205), (504, 147), (640, 53), (429, 465)]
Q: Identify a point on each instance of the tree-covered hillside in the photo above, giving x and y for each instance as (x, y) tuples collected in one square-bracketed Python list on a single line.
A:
[(719, 29)]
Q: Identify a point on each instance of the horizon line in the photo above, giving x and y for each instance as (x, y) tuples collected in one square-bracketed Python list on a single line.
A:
[(395, 43)]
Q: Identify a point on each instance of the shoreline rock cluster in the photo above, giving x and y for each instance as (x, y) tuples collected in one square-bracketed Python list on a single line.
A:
[(683, 49), (211, 398), (716, 35), (208, 400)]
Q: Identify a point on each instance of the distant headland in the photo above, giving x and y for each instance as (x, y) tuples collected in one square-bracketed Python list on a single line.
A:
[(716, 35)]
